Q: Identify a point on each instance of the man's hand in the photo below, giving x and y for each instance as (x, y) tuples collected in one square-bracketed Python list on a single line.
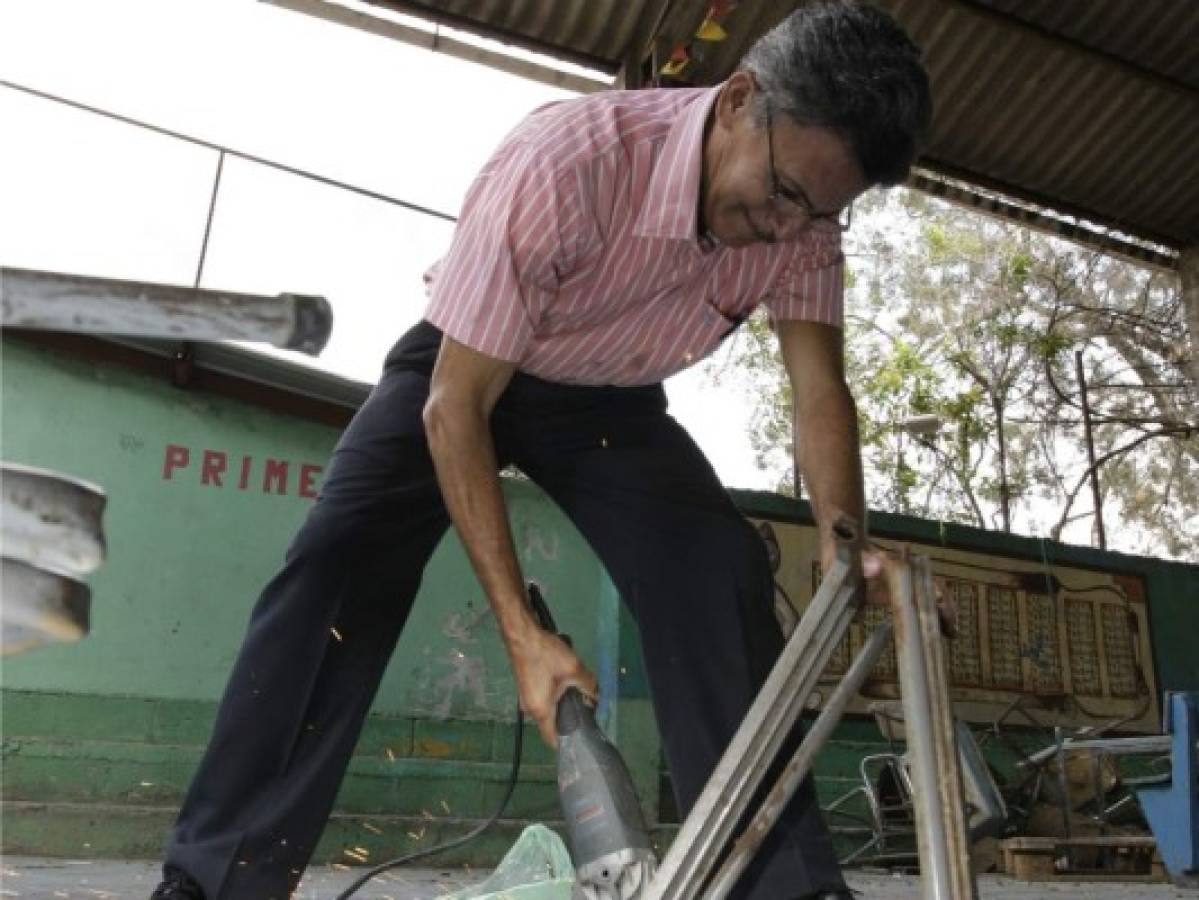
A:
[(876, 563), (545, 667), (874, 570)]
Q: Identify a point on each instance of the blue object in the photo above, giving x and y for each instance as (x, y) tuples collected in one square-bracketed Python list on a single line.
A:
[(1173, 809)]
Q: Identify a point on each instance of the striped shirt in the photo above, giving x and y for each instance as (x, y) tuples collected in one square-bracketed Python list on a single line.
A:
[(577, 257)]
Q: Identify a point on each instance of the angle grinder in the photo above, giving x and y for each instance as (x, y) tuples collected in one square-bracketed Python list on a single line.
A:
[(609, 843)]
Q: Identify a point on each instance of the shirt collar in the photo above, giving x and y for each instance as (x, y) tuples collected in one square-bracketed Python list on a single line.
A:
[(671, 207)]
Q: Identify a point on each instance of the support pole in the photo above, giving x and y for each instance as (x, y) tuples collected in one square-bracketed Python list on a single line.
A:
[(1188, 276), (941, 832)]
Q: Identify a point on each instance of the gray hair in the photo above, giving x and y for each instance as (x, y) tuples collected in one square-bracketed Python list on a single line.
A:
[(845, 65)]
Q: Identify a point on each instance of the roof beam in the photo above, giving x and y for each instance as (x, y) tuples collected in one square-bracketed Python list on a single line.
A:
[(430, 13), (1163, 82), (438, 43), (931, 183)]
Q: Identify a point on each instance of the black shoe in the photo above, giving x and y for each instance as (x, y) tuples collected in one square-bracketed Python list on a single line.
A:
[(177, 885), (838, 894)]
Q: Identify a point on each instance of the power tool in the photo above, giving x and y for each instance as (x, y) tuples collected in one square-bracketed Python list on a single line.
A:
[(609, 843)]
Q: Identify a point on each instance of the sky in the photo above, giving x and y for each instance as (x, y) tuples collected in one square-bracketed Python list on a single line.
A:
[(86, 195)]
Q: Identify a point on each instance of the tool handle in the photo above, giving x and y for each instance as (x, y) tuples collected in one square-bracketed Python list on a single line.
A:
[(573, 712)]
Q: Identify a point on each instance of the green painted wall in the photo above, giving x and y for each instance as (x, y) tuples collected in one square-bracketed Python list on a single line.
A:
[(186, 559), (120, 717)]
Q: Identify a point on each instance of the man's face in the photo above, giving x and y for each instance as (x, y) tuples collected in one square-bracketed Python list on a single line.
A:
[(814, 170)]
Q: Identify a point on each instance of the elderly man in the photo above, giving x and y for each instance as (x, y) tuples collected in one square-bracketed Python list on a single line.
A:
[(610, 242)]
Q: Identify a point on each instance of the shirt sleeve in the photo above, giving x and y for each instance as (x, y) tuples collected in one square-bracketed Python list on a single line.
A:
[(811, 283), (507, 256)]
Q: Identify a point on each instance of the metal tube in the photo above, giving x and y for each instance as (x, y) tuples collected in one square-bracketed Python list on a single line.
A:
[(1122, 746), (708, 827), (936, 774), (746, 847), (913, 678), (58, 302)]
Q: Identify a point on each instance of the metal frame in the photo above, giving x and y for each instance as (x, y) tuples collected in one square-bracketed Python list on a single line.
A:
[(936, 779)]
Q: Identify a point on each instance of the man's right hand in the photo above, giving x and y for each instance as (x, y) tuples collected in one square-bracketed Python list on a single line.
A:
[(545, 667)]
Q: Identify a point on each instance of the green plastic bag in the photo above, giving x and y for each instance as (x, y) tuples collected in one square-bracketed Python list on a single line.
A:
[(537, 867)]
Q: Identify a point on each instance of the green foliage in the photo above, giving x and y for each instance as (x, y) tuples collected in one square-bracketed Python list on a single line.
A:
[(975, 321)]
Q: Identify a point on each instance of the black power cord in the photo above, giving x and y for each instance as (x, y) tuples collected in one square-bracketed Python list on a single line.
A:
[(542, 613), (517, 744)]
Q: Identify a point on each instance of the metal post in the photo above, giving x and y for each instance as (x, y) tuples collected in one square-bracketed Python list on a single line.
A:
[(1188, 283), (57, 302), (216, 189), (1090, 438), (941, 832)]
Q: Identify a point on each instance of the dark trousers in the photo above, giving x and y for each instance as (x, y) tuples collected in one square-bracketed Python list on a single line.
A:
[(692, 571)]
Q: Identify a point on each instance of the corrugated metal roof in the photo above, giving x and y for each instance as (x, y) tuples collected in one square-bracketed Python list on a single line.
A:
[(1087, 107), (1057, 122), (1156, 35)]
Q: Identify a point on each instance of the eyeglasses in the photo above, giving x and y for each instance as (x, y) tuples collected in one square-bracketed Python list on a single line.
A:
[(795, 206)]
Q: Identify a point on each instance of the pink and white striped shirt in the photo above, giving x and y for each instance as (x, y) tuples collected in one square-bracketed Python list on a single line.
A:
[(576, 254)]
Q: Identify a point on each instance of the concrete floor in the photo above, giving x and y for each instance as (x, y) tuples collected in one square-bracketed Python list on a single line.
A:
[(49, 879)]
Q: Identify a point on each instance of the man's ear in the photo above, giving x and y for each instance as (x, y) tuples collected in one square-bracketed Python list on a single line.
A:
[(736, 98)]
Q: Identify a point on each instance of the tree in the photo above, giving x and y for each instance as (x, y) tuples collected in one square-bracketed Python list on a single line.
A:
[(977, 321)]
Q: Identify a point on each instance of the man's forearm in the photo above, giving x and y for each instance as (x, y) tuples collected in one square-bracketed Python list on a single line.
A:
[(464, 456), (829, 456)]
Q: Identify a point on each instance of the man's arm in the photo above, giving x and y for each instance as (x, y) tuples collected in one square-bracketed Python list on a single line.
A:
[(465, 388), (825, 426)]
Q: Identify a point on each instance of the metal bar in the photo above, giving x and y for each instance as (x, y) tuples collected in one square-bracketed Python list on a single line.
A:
[(1125, 746), (746, 847), (708, 827), (216, 190), (935, 770), (236, 154), (50, 520), (58, 302)]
